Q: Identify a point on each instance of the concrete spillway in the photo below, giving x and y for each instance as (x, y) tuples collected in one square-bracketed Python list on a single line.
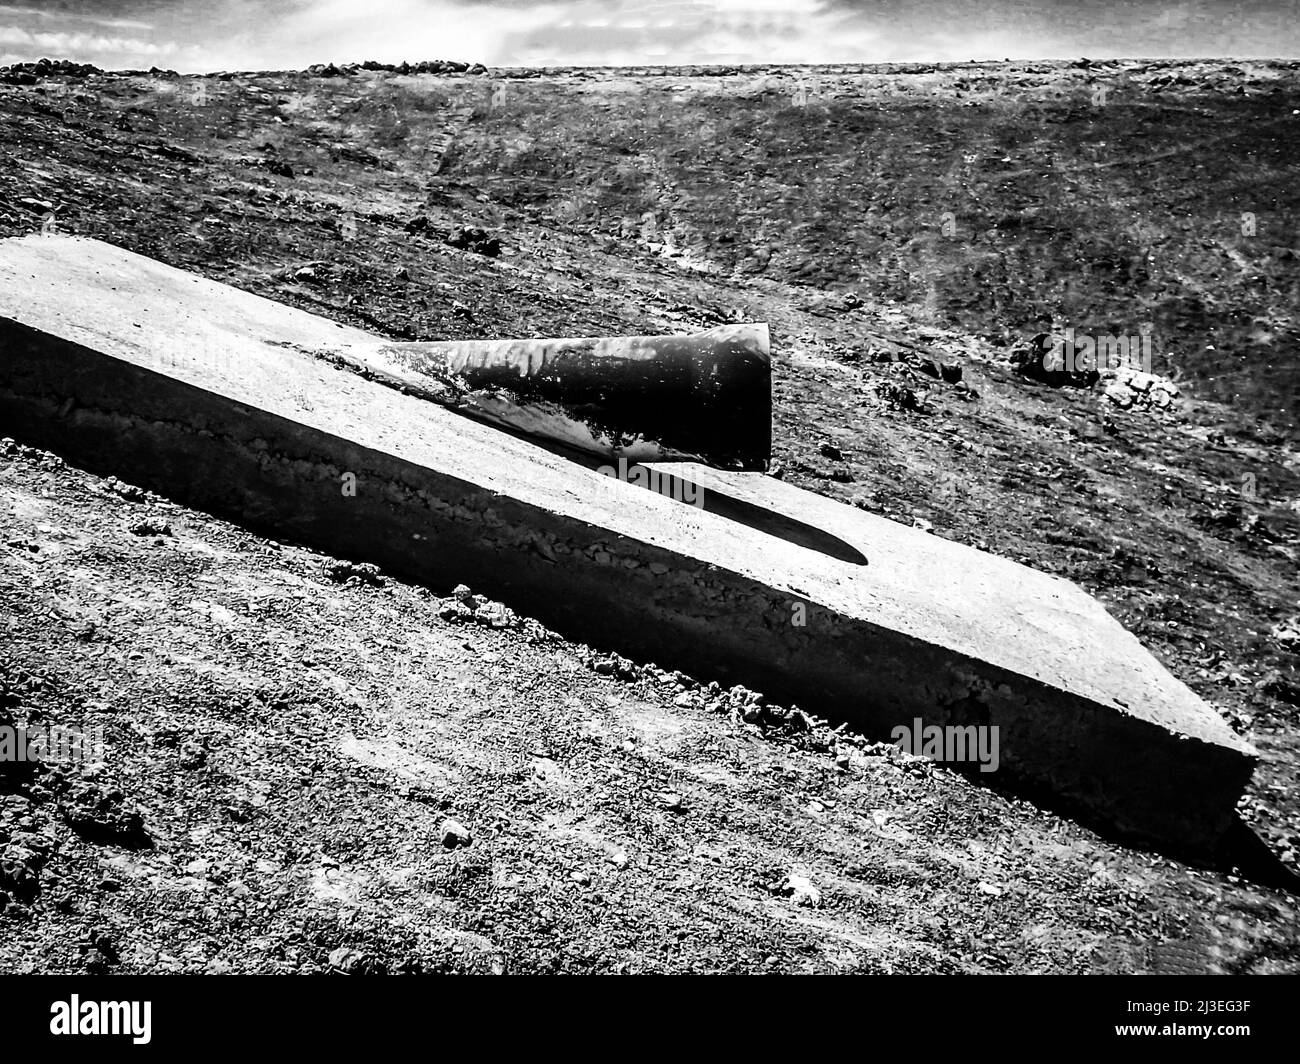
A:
[(222, 400)]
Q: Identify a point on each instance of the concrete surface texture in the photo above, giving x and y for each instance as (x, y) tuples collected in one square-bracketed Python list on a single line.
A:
[(221, 400)]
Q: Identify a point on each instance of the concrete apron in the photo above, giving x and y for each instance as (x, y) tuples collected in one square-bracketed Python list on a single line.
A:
[(208, 395)]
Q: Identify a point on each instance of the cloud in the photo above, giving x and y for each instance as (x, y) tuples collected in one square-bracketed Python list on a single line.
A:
[(198, 35), (1070, 28), (46, 15), (62, 44)]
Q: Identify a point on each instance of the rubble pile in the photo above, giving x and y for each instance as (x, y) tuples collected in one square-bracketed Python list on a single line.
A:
[(428, 66), (27, 73), (1128, 388)]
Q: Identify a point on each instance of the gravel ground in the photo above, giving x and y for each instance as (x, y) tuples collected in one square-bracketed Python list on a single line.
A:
[(310, 766)]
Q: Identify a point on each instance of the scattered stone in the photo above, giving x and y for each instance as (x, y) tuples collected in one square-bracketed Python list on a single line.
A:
[(1134, 389), (896, 396), (18, 878), (455, 834), (99, 814), (800, 889), (105, 944), (672, 801), (427, 66), (1119, 394), (348, 961), (1042, 361), (474, 239), (828, 450), (355, 573), (617, 666), (126, 491), (1278, 686), (48, 67), (465, 607), (355, 154), (193, 754), (151, 526), (14, 806), (278, 167), (1287, 633)]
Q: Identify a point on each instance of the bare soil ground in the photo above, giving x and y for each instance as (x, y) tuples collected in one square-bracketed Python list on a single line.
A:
[(286, 746)]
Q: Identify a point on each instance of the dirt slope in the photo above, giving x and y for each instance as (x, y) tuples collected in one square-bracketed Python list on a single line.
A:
[(284, 749)]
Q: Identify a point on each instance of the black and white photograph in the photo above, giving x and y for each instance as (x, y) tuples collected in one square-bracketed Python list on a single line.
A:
[(592, 487)]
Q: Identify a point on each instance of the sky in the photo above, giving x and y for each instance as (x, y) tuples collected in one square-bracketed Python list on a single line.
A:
[(206, 35)]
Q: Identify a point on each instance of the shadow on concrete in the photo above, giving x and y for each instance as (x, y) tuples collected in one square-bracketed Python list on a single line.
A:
[(759, 518)]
